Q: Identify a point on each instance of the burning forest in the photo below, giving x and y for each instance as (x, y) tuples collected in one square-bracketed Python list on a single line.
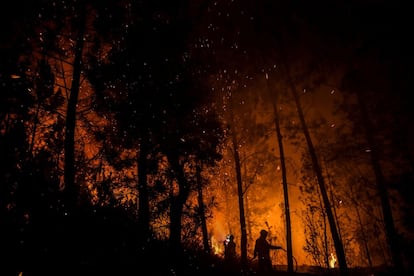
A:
[(148, 136)]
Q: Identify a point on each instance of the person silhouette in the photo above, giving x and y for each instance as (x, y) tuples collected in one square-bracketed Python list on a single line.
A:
[(262, 251), (229, 249)]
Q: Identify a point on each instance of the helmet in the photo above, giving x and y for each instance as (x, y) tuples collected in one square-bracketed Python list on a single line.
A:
[(263, 232)]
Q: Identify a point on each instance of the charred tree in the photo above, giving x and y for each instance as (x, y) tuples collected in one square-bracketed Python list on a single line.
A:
[(284, 177), (359, 80), (361, 227), (340, 252), (71, 190), (177, 205), (392, 236), (243, 239), (240, 194), (382, 190), (201, 208)]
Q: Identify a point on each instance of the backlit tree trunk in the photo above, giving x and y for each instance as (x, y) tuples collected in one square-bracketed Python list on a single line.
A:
[(321, 181), (206, 243), (361, 227), (176, 208), (71, 190), (240, 193), (284, 179), (143, 201), (382, 190)]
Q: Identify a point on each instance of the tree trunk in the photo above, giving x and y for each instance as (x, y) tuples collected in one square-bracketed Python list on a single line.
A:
[(361, 227), (143, 201), (284, 180), (175, 224), (340, 253), (177, 205), (325, 233), (71, 190), (206, 243), (392, 236), (243, 238)]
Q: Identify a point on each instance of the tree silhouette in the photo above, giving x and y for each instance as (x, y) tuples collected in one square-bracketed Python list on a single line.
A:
[(355, 83)]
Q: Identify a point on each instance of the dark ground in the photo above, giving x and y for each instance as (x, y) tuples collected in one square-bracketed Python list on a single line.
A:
[(105, 244), (113, 266)]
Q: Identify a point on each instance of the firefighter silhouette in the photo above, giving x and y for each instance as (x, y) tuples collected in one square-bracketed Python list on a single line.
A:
[(229, 248), (262, 251)]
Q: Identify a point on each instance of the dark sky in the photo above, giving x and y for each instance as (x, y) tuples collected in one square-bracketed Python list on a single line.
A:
[(383, 25)]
